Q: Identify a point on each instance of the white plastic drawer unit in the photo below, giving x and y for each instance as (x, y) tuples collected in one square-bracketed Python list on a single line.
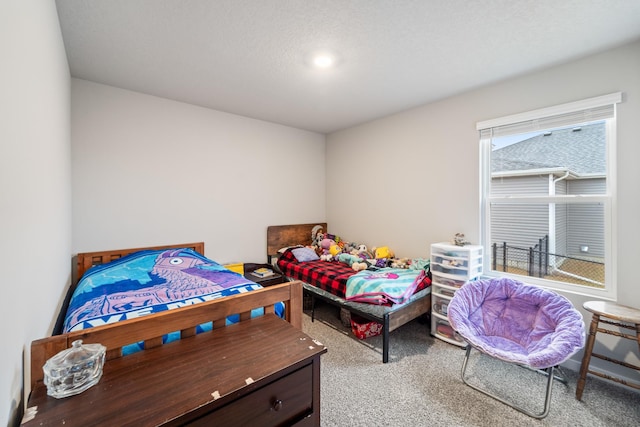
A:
[(447, 282), (445, 291), (451, 267), (456, 271), (441, 329), (456, 262), (440, 304)]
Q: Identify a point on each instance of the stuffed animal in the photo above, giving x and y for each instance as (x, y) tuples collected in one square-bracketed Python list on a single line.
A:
[(401, 263), (359, 266), (380, 263), (325, 245), (333, 237), (382, 252), (347, 258), (353, 261), (334, 250), (316, 236), (459, 240), (350, 248), (363, 252)]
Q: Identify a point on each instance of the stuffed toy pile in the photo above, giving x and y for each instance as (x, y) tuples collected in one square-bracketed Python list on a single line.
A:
[(331, 247)]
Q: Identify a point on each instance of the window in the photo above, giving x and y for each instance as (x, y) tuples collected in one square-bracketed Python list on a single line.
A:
[(548, 196)]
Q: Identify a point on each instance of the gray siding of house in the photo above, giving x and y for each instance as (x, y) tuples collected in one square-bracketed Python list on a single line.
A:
[(529, 185), (576, 225), (587, 186), (585, 223), (519, 225)]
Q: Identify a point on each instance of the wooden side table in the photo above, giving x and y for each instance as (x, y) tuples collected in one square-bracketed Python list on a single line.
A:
[(612, 314), (276, 279)]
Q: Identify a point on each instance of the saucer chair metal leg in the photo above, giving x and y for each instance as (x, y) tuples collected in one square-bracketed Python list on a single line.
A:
[(547, 401)]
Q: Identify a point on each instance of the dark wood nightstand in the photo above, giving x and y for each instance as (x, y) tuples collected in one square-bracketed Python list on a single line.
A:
[(276, 279)]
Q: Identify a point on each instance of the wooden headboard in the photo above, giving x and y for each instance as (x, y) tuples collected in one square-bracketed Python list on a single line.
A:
[(280, 236), (87, 260)]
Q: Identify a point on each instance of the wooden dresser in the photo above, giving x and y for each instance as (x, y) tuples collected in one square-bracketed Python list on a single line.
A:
[(259, 372)]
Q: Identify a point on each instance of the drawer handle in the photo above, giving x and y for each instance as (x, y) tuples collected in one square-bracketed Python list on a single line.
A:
[(277, 405)]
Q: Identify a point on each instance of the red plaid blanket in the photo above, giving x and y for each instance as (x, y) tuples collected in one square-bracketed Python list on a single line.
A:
[(327, 275), (330, 276)]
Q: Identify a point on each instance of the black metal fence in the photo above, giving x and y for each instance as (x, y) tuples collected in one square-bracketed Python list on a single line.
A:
[(537, 261)]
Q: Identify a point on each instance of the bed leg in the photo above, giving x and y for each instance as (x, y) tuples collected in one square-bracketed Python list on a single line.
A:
[(385, 339), (313, 308)]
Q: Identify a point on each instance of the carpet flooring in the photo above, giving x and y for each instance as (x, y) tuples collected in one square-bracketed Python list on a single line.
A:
[(421, 385)]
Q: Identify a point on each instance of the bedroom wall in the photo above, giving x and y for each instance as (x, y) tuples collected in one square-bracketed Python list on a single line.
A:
[(417, 181), (35, 195), (150, 171)]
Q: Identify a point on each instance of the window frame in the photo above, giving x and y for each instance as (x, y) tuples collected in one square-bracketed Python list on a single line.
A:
[(608, 200)]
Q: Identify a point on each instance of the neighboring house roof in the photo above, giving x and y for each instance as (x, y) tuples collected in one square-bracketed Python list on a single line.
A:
[(581, 152)]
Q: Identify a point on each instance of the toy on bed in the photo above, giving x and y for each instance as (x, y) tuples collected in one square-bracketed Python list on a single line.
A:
[(400, 263), (316, 236), (332, 248), (362, 252), (353, 261), (354, 255)]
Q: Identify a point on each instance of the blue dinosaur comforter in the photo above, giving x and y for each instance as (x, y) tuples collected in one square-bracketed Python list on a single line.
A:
[(148, 282)]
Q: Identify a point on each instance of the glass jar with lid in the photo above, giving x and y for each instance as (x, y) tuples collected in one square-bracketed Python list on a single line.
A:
[(74, 370)]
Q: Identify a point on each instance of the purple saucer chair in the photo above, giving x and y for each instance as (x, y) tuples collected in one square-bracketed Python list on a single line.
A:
[(517, 323)]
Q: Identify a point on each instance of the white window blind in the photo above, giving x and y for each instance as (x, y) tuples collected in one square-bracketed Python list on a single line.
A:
[(588, 110)]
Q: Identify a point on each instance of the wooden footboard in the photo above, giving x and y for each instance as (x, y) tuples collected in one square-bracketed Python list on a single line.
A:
[(151, 328)]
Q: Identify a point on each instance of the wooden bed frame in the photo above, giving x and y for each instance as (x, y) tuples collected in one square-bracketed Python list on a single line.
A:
[(152, 328), (391, 318), (230, 375)]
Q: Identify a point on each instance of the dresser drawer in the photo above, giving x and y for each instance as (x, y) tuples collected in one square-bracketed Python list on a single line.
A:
[(282, 402)]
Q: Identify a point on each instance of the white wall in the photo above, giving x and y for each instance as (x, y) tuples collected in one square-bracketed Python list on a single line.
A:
[(35, 190), (149, 171), (416, 180)]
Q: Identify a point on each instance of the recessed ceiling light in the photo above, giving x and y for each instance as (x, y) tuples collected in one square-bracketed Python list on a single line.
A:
[(323, 61)]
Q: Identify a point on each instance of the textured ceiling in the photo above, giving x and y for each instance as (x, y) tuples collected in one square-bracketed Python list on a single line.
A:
[(251, 57)]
